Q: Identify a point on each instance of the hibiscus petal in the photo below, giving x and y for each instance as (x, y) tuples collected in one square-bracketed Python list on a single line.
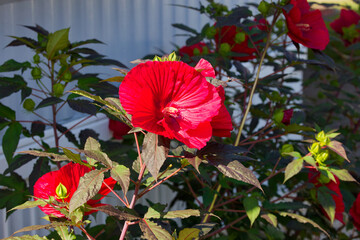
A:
[(205, 68)]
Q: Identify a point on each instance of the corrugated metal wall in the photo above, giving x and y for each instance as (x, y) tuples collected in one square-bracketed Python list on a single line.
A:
[(130, 29)]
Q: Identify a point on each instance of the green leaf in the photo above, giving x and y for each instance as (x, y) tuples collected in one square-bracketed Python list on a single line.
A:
[(293, 168), (7, 112), (283, 205), (154, 152), (57, 41), (189, 234), (114, 212), (26, 237), (10, 140), (302, 219), (46, 226), (338, 148), (342, 174), (49, 102), (99, 157), (294, 128), (12, 65), (184, 27), (83, 106), (89, 186), (18, 161), (270, 218), (327, 202), (122, 175), (152, 231), (72, 156), (30, 204), (64, 233), (252, 208), (310, 160), (53, 156)]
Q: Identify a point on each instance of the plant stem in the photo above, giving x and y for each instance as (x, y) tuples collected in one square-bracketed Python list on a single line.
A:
[(212, 204)]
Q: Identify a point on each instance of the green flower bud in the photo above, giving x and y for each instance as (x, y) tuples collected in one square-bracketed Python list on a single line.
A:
[(58, 90), (280, 24), (63, 60), (29, 104), (321, 157), (315, 148), (196, 52), (322, 138), (205, 50), (210, 32), (225, 48), (67, 76), (36, 73), (264, 7), (61, 191), (36, 58), (240, 37)]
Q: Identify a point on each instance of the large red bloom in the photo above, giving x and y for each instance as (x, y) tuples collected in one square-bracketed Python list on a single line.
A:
[(221, 124), (347, 18), (306, 27), (355, 212), (336, 194), (171, 99), (69, 176), (227, 34)]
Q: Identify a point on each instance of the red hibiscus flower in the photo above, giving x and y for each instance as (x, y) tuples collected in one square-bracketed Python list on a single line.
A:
[(287, 116), (171, 99), (118, 128), (221, 124), (238, 40), (67, 178), (347, 18), (355, 212), (306, 27), (336, 194), (193, 50)]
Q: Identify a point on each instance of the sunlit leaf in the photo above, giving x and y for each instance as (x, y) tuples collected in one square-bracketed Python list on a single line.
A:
[(293, 168), (57, 41), (152, 231), (252, 208), (122, 175), (189, 234)]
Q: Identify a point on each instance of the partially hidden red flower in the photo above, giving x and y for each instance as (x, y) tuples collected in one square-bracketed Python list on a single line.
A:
[(228, 34), (306, 27), (287, 116), (194, 50), (355, 212), (118, 128), (347, 18), (171, 99), (336, 194), (69, 176)]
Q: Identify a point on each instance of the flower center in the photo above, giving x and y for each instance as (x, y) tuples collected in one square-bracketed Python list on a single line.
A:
[(171, 111), (304, 26)]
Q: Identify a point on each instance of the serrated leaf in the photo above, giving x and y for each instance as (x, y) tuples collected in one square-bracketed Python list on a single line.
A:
[(53, 156), (270, 218), (10, 141), (37, 128), (64, 233), (189, 234), (342, 174), (12, 65), (30, 204), (99, 157), (293, 168), (327, 202), (252, 208), (154, 152), (18, 161), (195, 162), (57, 41), (294, 128), (122, 175), (310, 160), (92, 144), (172, 214), (205, 228), (302, 219), (152, 231), (89, 186), (114, 212), (48, 102), (46, 226), (114, 79), (338, 148)]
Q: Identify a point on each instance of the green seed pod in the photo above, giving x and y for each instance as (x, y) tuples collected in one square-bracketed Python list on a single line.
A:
[(210, 32), (264, 7), (196, 52), (36, 58), (67, 76), (225, 48), (29, 104), (36, 73), (240, 37), (58, 89)]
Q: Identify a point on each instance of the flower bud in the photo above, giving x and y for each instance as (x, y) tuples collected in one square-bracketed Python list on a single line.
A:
[(315, 148), (240, 37), (322, 138), (321, 157), (29, 104), (61, 191), (58, 90), (210, 32), (264, 7), (225, 48), (36, 73), (196, 52), (67, 76), (36, 58)]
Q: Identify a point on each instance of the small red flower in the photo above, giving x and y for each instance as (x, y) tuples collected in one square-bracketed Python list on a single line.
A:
[(68, 176), (306, 27), (333, 187), (347, 18), (193, 50), (355, 212), (118, 128), (287, 116), (228, 34), (171, 99)]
